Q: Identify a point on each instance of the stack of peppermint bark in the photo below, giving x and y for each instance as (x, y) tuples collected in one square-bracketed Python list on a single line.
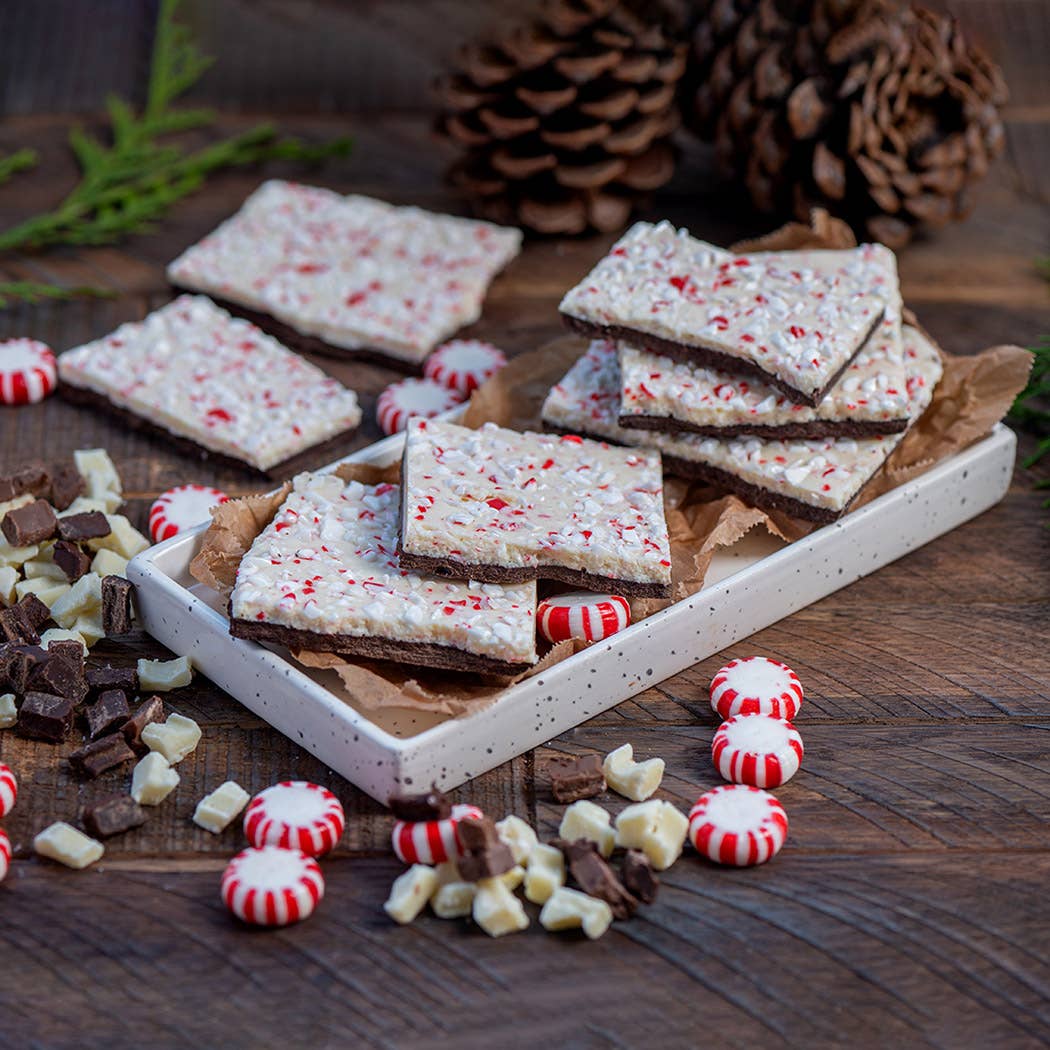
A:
[(785, 377)]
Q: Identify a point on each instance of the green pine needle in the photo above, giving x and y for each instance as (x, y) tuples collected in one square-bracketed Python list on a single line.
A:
[(20, 160), (12, 292)]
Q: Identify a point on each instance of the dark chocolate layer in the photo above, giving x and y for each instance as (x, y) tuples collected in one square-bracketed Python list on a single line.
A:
[(811, 431)]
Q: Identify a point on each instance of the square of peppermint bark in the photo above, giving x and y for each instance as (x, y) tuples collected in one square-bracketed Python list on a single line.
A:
[(869, 400), (502, 506), (351, 273), (212, 383), (324, 576), (778, 316), (812, 479)]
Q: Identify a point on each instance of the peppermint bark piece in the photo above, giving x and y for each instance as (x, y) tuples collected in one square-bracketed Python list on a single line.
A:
[(788, 319), (816, 480), (349, 273), (497, 505), (324, 576), (212, 383)]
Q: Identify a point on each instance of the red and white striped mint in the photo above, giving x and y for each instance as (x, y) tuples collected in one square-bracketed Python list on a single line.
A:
[(271, 886), (181, 508), (756, 685), (5, 854), (757, 749), (295, 814), (589, 617), (431, 841), (8, 790), (28, 372), (413, 397), (463, 364), (738, 824)]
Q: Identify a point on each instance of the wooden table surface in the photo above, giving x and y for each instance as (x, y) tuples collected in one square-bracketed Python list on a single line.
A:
[(908, 907)]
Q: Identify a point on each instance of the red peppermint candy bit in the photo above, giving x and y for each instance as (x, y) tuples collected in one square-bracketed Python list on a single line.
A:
[(738, 824), (463, 364), (757, 749), (413, 397), (182, 508), (431, 841), (270, 886), (5, 855), (756, 685), (295, 814), (588, 617), (27, 372), (8, 790)]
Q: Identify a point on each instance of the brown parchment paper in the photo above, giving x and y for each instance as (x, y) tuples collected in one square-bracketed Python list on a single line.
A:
[(972, 396)]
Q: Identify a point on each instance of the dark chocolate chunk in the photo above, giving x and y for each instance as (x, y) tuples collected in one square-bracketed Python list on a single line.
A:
[(69, 650), (15, 627), (71, 560), (113, 816), (34, 610), (576, 776), (66, 484), (89, 525), (477, 833), (594, 876), (151, 710), (17, 663), (60, 675), (32, 523), (45, 717), (32, 478), (99, 679), (92, 760), (639, 877), (430, 805), (485, 863), (117, 616), (107, 714)]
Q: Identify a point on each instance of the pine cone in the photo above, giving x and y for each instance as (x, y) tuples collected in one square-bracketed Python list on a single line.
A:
[(567, 121), (879, 111)]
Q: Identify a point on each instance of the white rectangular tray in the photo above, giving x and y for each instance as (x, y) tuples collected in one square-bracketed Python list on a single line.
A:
[(749, 586)]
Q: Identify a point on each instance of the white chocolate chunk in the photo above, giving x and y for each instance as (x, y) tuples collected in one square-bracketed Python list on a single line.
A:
[(518, 836), (8, 711), (124, 539), (546, 872), (85, 596), (657, 828), (43, 568), (454, 900), (8, 579), (82, 505), (101, 479), (19, 501), (410, 893), (633, 780), (215, 812), (90, 628), (570, 910), (109, 563), (58, 634), (512, 878), (158, 676), (174, 739), (16, 556), (585, 820), (48, 591), (496, 910), (62, 842), (153, 780)]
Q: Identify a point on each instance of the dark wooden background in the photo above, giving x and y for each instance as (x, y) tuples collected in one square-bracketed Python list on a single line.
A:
[(909, 905)]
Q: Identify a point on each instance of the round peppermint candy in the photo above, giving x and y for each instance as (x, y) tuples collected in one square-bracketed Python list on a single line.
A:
[(755, 685), (738, 824), (295, 814), (27, 372), (431, 841), (271, 886), (413, 397), (8, 790), (181, 508), (463, 364), (5, 854), (589, 617), (757, 749)]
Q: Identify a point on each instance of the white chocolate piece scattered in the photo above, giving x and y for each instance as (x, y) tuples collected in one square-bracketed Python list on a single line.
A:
[(109, 563), (546, 872), (90, 628), (101, 478), (410, 893), (62, 842), (159, 676), (84, 504), (496, 910), (174, 739), (215, 812), (570, 910), (48, 591), (43, 568), (657, 828), (585, 820), (153, 780), (85, 596), (13, 504), (454, 900), (512, 878), (8, 711), (518, 836), (16, 556), (633, 780), (57, 634), (8, 579), (124, 539)]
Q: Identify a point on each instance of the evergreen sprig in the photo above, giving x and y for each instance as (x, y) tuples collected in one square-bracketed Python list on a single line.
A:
[(1032, 407), (13, 163), (34, 292)]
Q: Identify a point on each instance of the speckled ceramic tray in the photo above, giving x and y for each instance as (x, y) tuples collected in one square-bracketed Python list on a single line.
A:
[(749, 586)]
